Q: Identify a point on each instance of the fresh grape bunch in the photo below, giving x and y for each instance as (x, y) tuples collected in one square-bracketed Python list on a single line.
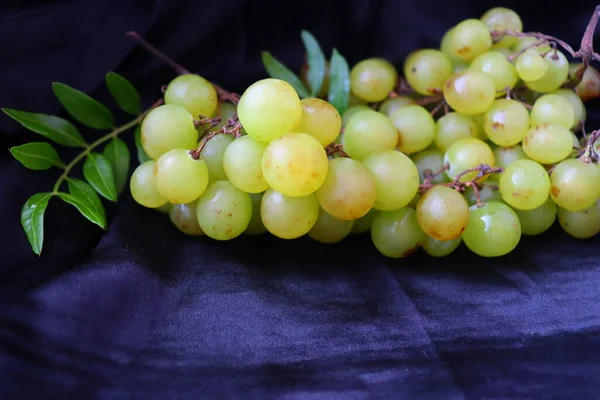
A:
[(477, 143)]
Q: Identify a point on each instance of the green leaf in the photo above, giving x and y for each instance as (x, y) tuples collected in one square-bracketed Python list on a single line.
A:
[(54, 128), (37, 156), (277, 70), (117, 153), (32, 220), (83, 108), (98, 172), (316, 62), (339, 82), (124, 93), (86, 194), (141, 153)]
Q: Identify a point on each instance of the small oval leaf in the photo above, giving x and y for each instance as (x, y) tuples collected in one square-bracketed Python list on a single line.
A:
[(37, 156), (141, 153), (316, 63), (84, 193), (98, 172), (277, 70), (339, 82), (83, 108), (124, 93), (32, 220), (54, 128), (117, 153)]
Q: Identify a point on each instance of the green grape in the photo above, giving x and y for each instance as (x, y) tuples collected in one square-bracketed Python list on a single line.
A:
[(305, 70), (487, 193), (416, 128), (269, 109), (369, 132), (295, 164), (530, 42), (530, 65), (348, 192), (165, 208), (397, 233), (373, 79), (496, 65), (224, 211), (168, 127), (415, 200), (558, 71), (469, 92), (142, 187), (506, 122), (179, 178), (493, 230), (440, 248), (242, 162), (576, 103), (548, 143), (429, 162), (589, 86), (538, 220), (288, 217), (524, 185), (469, 39), (582, 224), (465, 154), (329, 229), (442, 213), (213, 153), (426, 70), (350, 111), (255, 226), (184, 217), (355, 101), (503, 19), (396, 179), (574, 184), (478, 118), (194, 93), (553, 109), (393, 103), (452, 127), (320, 120), (505, 156), (363, 224), (447, 49)]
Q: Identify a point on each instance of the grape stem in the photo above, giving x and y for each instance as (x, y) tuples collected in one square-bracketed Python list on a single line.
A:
[(207, 121), (336, 148), (589, 154), (232, 127)]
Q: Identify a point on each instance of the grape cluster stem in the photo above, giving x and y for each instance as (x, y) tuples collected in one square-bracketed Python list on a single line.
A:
[(336, 148), (232, 127)]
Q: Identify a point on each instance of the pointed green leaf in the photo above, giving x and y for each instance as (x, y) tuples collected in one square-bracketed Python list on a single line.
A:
[(83, 108), (277, 70), (37, 156), (98, 172), (316, 63), (54, 128), (124, 93), (141, 153), (32, 220), (117, 153), (339, 82), (83, 208), (88, 202)]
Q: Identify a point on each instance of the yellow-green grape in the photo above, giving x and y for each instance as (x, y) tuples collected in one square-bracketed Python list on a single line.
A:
[(349, 190), (320, 120), (469, 39), (194, 93), (443, 213), (548, 143), (576, 103), (503, 19), (165, 208), (530, 42), (452, 127), (179, 178), (397, 233), (373, 79), (582, 224), (553, 109), (496, 65), (524, 185), (428, 162), (349, 113), (506, 122), (363, 224), (557, 74), (242, 162), (440, 248), (184, 217), (329, 229), (213, 153), (538, 220), (478, 118), (369, 132), (575, 184), (392, 104), (465, 154), (447, 49), (426, 70), (416, 128), (269, 109), (487, 193), (396, 179), (589, 86), (142, 187), (505, 156), (530, 65), (470, 92), (255, 226), (224, 211), (493, 230), (168, 127), (415, 200), (355, 101), (288, 217)]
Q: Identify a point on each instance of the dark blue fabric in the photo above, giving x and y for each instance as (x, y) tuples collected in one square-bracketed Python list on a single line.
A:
[(144, 312)]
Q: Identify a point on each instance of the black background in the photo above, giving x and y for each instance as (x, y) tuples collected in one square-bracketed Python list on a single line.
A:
[(141, 311)]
